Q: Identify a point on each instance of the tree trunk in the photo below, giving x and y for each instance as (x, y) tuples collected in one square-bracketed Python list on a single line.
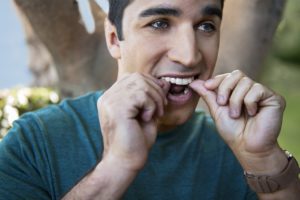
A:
[(40, 61), (81, 59), (247, 31)]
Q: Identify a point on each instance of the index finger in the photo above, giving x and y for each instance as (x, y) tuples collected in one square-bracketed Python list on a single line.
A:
[(214, 82)]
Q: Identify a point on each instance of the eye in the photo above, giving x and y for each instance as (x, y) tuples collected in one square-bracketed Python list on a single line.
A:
[(206, 27), (160, 24)]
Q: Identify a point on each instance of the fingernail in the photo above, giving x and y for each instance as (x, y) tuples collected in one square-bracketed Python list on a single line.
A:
[(208, 82)]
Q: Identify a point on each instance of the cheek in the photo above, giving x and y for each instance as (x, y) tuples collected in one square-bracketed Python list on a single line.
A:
[(209, 51), (141, 53)]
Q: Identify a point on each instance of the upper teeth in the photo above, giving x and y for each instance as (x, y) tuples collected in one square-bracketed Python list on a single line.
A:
[(178, 81)]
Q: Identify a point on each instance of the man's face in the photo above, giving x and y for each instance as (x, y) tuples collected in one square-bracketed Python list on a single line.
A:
[(174, 40)]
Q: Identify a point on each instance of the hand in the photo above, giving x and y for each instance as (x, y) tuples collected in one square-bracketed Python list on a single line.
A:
[(247, 115), (128, 112)]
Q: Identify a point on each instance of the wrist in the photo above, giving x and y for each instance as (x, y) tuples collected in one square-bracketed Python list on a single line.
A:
[(116, 167), (267, 163), (279, 183)]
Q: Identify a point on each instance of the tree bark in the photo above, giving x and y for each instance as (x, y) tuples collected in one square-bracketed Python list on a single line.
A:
[(81, 59), (247, 31), (40, 61)]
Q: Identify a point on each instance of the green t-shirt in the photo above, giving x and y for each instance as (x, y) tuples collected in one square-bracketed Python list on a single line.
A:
[(47, 152)]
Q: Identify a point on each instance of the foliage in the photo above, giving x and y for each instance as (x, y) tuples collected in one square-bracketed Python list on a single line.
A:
[(284, 78), (15, 102), (287, 41)]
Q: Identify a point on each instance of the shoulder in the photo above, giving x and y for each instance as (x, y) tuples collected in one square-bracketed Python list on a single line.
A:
[(69, 113), (65, 118), (83, 106), (42, 140), (70, 120)]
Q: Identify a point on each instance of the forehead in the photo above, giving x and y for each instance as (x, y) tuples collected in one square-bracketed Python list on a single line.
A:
[(185, 7)]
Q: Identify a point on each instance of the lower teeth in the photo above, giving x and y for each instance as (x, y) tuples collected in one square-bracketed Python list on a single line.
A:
[(186, 90)]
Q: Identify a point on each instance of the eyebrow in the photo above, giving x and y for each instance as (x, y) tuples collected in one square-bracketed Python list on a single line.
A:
[(160, 11), (211, 11)]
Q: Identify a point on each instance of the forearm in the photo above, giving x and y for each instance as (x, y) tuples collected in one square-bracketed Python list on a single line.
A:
[(106, 181)]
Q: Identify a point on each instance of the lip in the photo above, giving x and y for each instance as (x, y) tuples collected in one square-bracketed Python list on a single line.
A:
[(180, 100)]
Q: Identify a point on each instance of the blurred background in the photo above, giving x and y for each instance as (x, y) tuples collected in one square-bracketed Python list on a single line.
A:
[(36, 70), (14, 55), (282, 74)]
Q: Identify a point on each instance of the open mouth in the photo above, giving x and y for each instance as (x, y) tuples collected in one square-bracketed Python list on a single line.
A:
[(178, 86), (179, 91)]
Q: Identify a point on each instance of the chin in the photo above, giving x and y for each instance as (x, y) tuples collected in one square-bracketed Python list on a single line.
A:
[(176, 115)]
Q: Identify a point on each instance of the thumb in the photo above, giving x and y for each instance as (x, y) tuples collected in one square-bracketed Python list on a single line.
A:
[(208, 96)]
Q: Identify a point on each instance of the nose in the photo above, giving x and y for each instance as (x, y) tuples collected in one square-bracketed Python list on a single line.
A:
[(185, 49)]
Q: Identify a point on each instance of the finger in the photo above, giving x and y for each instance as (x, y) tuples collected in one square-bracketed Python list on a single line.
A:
[(208, 96), (147, 85), (166, 87), (146, 106), (162, 90), (148, 111), (159, 86), (214, 83), (256, 94), (227, 85), (150, 132), (157, 98), (237, 97), (139, 78)]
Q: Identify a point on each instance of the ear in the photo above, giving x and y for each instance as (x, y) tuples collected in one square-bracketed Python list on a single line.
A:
[(112, 40)]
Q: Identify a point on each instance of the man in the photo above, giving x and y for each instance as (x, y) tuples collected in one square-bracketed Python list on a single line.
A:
[(150, 144)]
